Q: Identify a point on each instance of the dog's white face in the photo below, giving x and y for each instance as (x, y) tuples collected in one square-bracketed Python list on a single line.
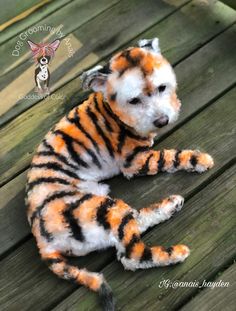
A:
[(140, 87), (44, 60)]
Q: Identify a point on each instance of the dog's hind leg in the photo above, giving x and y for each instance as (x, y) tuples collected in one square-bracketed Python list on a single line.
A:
[(134, 254)]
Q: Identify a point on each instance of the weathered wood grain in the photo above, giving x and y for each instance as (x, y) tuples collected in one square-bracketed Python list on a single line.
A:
[(30, 273), (218, 298), (70, 17), (192, 18), (11, 10), (206, 225), (220, 143), (27, 18), (200, 79), (14, 88), (194, 24), (87, 48), (230, 3), (13, 223)]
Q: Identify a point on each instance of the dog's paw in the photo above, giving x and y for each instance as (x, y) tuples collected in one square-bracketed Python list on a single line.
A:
[(203, 162), (179, 253), (169, 206), (177, 202)]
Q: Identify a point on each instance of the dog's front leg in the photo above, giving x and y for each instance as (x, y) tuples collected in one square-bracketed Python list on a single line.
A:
[(151, 162)]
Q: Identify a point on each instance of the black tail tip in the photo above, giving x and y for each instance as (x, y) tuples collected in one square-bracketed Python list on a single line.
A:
[(107, 298)]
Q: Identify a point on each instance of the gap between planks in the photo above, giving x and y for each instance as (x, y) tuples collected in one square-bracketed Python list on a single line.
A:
[(215, 299)]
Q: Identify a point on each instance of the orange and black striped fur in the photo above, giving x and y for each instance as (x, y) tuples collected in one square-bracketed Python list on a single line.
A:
[(112, 132)]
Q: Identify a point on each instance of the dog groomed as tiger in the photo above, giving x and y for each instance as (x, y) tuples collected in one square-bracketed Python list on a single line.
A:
[(112, 132)]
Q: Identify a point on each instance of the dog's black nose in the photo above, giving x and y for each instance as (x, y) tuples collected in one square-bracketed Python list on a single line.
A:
[(162, 121)]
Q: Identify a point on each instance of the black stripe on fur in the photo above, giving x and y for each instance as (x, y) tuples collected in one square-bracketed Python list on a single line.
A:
[(107, 298), (161, 161), (107, 142), (176, 162), (193, 160), (56, 195), (73, 223), (147, 254), (76, 121), (122, 225), (69, 144), (121, 139), (128, 250), (50, 180), (102, 213), (106, 122), (70, 140), (52, 152), (145, 168), (131, 156), (55, 167)]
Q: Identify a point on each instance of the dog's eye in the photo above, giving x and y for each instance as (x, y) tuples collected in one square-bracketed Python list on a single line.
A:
[(135, 101), (161, 88)]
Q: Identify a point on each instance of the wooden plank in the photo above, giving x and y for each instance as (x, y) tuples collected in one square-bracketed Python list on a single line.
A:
[(73, 15), (13, 222), (9, 11), (218, 298), (32, 272), (200, 79), (230, 3), (85, 54), (67, 19), (18, 18), (195, 226), (191, 14), (49, 288), (46, 118), (194, 24)]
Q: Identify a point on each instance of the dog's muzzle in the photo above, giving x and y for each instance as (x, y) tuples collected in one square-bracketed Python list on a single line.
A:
[(162, 121), (44, 60)]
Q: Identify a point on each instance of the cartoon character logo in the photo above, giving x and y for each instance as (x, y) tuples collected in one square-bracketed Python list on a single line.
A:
[(42, 55)]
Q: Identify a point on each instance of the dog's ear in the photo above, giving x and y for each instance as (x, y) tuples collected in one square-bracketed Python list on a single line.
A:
[(95, 78), (33, 46), (54, 45), (150, 44)]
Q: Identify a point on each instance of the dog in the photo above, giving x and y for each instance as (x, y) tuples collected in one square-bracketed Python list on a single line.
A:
[(43, 54), (112, 132)]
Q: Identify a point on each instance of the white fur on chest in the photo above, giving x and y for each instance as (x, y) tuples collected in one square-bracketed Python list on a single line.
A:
[(110, 168), (43, 74)]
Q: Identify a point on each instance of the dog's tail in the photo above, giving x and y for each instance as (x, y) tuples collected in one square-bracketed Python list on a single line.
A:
[(94, 281)]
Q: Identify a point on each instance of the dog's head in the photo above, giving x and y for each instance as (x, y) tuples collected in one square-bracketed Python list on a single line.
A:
[(43, 52), (140, 87), (44, 60)]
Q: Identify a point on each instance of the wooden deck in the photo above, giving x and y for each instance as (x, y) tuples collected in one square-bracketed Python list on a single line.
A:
[(199, 38)]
